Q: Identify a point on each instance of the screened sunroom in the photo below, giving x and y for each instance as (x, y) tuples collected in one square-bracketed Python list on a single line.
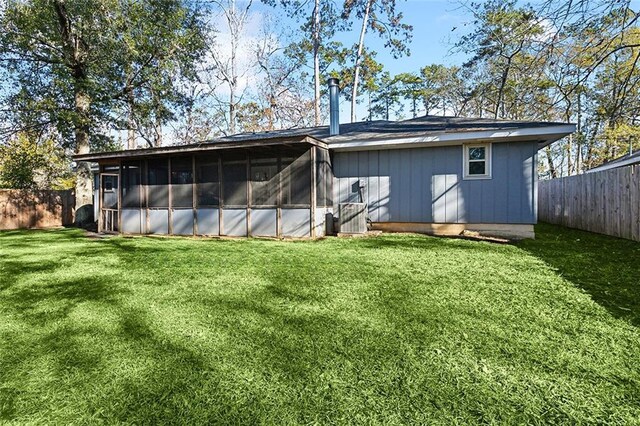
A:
[(278, 188)]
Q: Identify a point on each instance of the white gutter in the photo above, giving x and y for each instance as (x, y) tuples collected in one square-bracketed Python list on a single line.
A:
[(546, 134)]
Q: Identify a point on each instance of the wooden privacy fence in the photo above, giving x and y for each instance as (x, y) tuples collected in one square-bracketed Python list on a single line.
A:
[(607, 202), (35, 209)]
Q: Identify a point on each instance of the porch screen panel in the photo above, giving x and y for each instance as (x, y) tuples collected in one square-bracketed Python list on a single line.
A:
[(131, 185), (207, 181), (296, 180), (181, 181), (324, 179), (234, 183), (264, 182), (158, 183)]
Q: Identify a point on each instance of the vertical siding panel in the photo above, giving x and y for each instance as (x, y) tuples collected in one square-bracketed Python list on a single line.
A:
[(514, 171), (383, 186), (407, 185), (353, 196), (338, 182), (427, 182), (373, 186), (500, 180), (487, 190), (337, 179), (526, 196), (439, 185), (451, 184), (396, 192), (363, 169), (417, 193)]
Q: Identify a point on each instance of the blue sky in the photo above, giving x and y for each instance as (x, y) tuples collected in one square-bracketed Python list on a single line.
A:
[(432, 21)]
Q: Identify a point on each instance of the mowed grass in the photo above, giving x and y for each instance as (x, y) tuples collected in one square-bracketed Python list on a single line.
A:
[(398, 329)]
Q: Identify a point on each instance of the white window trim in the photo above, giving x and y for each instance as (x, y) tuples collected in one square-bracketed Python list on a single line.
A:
[(487, 158)]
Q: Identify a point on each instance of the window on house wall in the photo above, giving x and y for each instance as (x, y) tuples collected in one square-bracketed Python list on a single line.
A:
[(131, 185), (477, 161), (296, 180), (158, 183), (264, 181), (207, 181), (234, 182), (181, 182)]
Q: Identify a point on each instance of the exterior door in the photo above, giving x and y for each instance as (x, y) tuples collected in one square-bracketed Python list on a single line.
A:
[(109, 203)]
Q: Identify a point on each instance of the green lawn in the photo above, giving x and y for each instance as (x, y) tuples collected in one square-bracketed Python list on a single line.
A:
[(396, 329)]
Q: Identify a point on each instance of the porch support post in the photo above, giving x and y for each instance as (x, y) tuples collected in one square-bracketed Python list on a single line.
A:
[(100, 224), (313, 192)]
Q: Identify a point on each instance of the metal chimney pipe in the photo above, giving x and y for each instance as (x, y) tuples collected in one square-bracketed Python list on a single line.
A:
[(334, 106)]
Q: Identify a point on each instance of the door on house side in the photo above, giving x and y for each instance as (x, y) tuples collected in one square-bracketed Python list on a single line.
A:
[(109, 203)]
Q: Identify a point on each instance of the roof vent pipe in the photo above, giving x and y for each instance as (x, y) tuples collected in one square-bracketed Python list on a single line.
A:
[(334, 106)]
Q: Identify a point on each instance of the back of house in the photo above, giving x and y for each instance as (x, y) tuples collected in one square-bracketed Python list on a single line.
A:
[(440, 175)]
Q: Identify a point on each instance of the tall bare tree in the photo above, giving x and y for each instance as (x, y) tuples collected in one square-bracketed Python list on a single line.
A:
[(381, 17)]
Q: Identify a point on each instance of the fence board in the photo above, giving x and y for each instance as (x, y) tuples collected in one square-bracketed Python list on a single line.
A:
[(35, 209), (607, 202)]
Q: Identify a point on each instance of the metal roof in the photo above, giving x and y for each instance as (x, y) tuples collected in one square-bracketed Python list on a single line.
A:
[(625, 160), (381, 129), (281, 141), (380, 134)]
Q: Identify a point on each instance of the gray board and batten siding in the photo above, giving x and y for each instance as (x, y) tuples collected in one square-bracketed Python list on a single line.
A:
[(426, 185)]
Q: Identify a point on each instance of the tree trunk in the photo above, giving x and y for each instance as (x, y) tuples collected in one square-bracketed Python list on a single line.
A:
[(131, 122), (235, 26), (552, 168), (74, 51), (157, 125), (84, 189), (503, 83), (316, 63), (356, 75)]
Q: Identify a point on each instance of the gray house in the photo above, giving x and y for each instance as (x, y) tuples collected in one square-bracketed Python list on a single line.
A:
[(440, 175)]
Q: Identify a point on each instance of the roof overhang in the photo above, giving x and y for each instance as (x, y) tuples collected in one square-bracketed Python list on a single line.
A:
[(615, 164), (201, 147), (542, 135)]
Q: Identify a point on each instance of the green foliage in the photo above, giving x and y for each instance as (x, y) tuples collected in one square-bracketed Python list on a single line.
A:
[(26, 163), (101, 50), (370, 69), (386, 99), (409, 330), (384, 20)]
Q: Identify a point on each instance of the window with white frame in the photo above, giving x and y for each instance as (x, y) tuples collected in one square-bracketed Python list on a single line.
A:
[(477, 161)]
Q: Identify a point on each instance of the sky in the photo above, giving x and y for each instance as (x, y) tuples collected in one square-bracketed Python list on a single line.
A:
[(433, 22)]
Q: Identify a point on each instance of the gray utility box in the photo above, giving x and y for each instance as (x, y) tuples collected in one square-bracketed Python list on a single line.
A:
[(352, 218)]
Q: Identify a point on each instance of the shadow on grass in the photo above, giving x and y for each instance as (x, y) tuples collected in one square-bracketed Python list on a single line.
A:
[(605, 267)]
